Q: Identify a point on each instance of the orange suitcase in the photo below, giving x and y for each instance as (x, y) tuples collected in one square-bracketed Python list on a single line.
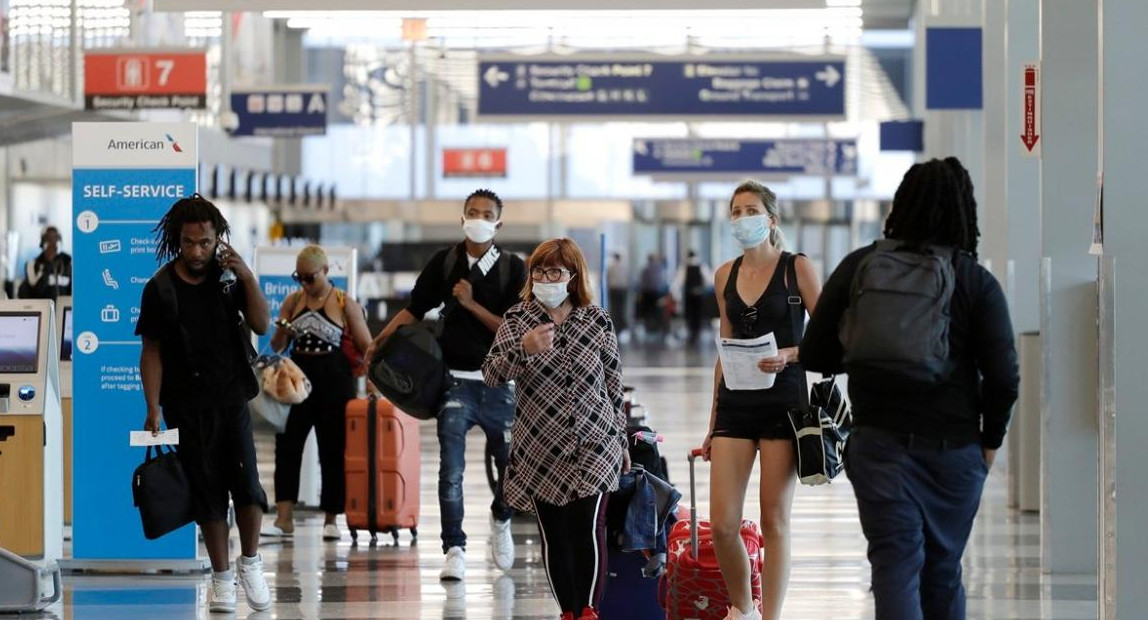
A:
[(382, 465)]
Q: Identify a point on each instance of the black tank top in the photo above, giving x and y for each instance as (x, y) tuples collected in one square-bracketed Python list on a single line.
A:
[(769, 313)]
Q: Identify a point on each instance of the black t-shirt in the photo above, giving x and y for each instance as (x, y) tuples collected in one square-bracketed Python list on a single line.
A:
[(211, 372), (465, 341)]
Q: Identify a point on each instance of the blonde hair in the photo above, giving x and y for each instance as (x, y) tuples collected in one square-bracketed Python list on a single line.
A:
[(313, 255), (769, 199)]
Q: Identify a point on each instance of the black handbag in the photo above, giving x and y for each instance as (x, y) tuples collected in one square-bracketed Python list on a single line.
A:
[(161, 492), (820, 431), (408, 369)]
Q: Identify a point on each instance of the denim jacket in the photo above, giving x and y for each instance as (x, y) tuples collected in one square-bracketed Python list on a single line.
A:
[(650, 503)]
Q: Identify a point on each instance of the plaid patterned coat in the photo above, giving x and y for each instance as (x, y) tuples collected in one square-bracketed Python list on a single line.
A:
[(570, 428)]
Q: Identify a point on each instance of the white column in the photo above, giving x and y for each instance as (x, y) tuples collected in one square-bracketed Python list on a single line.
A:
[(1124, 132), (1068, 295)]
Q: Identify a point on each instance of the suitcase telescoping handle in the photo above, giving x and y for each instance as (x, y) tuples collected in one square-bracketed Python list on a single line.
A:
[(694, 455)]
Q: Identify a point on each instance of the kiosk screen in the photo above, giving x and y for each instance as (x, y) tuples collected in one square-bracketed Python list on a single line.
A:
[(19, 342), (66, 341)]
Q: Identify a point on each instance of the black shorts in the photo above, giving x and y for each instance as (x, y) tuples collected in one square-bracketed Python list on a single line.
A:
[(217, 452), (753, 424)]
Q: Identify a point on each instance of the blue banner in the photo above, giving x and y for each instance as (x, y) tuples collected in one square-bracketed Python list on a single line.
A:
[(954, 69), (682, 88), (281, 112), (700, 157), (125, 177)]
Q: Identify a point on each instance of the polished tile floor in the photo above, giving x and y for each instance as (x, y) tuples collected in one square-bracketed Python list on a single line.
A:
[(336, 580)]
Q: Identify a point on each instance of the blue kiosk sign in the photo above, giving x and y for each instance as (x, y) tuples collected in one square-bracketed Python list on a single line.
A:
[(704, 88)]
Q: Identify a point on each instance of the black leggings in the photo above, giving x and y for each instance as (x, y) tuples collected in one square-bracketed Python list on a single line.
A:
[(574, 550), (332, 386)]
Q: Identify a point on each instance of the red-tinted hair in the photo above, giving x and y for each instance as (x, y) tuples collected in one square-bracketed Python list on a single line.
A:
[(561, 252)]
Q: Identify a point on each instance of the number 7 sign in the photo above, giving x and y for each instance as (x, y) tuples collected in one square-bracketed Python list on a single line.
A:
[(153, 78)]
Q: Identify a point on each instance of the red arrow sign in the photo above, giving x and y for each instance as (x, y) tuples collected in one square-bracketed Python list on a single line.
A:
[(1030, 135)]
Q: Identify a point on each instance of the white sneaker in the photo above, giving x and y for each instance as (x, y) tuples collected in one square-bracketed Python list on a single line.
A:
[(331, 532), (455, 567), (501, 544), (221, 596), (254, 583), (736, 614)]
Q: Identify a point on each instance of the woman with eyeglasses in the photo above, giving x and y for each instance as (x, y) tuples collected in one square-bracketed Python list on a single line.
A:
[(568, 444), (764, 290), (315, 320)]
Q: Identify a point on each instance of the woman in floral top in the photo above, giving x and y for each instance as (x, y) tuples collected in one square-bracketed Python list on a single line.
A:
[(569, 440)]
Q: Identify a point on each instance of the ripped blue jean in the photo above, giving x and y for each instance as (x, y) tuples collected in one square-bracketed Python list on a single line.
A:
[(469, 404)]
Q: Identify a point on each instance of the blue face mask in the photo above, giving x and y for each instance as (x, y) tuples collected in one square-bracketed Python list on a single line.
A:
[(751, 231)]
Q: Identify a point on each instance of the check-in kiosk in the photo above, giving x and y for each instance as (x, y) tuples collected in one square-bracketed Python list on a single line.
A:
[(32, 458), (64, 339)]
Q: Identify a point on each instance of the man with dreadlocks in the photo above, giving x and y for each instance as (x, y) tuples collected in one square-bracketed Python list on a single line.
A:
[(927, 429), (194, 322)]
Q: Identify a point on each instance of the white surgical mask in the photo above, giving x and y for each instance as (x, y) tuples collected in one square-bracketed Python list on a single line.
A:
[(551, 294), (479, 231), (751, 230)]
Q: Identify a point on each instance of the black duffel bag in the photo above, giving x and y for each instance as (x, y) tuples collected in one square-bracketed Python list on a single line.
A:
[(161, 492), (408, 370)]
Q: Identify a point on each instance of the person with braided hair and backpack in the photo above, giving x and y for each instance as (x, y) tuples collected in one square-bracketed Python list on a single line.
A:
[(924, 333), (195, 317)]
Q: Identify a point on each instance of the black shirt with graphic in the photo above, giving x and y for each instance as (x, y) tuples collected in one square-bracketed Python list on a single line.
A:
[(465, 340)]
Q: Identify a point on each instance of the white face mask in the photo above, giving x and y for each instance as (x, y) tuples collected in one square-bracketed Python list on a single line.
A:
[(551, 294), (479, 231)]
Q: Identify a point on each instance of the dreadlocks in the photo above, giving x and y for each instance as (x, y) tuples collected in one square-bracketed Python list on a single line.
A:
[(935, 204), (191, 210)]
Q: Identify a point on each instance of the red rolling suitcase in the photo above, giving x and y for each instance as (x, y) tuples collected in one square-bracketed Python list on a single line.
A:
[(382, 468), (692, 588)]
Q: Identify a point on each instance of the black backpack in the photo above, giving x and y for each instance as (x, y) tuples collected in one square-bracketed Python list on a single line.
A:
[(896, 328), (408, 369)]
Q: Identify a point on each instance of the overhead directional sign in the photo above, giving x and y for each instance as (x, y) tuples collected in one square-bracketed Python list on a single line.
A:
[(686, 87), (723, 158), (137, 79), (281, 111)]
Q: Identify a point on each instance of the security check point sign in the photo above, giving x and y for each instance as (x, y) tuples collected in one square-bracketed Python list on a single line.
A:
[(125, 177)]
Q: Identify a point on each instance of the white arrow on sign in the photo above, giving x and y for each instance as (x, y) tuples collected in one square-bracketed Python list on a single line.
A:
[(495, 76), (831, 76), (641, 147)]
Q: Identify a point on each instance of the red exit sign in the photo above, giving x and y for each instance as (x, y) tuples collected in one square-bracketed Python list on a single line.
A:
[(474, 163)]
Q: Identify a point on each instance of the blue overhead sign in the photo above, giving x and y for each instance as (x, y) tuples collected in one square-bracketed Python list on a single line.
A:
[(718, 157), (682, 88), (281, 111)]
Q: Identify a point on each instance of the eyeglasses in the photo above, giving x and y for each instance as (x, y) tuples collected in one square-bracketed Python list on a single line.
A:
[(552, 274), (308, 278), (749, 315)]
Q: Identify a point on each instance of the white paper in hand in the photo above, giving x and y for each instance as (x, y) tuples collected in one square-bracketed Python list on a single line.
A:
[(739, 360), (145, 438)]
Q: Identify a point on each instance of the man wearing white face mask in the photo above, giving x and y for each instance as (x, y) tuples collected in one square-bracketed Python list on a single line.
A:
[(477, 283)]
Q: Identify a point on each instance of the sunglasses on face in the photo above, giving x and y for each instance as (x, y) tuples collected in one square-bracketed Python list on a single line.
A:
[(305, 278)]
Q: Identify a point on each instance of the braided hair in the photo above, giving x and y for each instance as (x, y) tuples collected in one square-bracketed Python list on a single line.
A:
[(935, 204), (191, 210)]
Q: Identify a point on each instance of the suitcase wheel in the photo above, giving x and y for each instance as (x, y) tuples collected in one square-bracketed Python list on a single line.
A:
[(414, 534), (374, 539), (354, 536)]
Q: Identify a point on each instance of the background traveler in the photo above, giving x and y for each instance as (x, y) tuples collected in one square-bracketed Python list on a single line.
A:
[(569, 443), (314, 320), (49, 275), (691, 285)]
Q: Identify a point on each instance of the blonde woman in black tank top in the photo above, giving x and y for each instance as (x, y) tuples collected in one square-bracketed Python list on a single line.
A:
[(751, 425), (313, 321)]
